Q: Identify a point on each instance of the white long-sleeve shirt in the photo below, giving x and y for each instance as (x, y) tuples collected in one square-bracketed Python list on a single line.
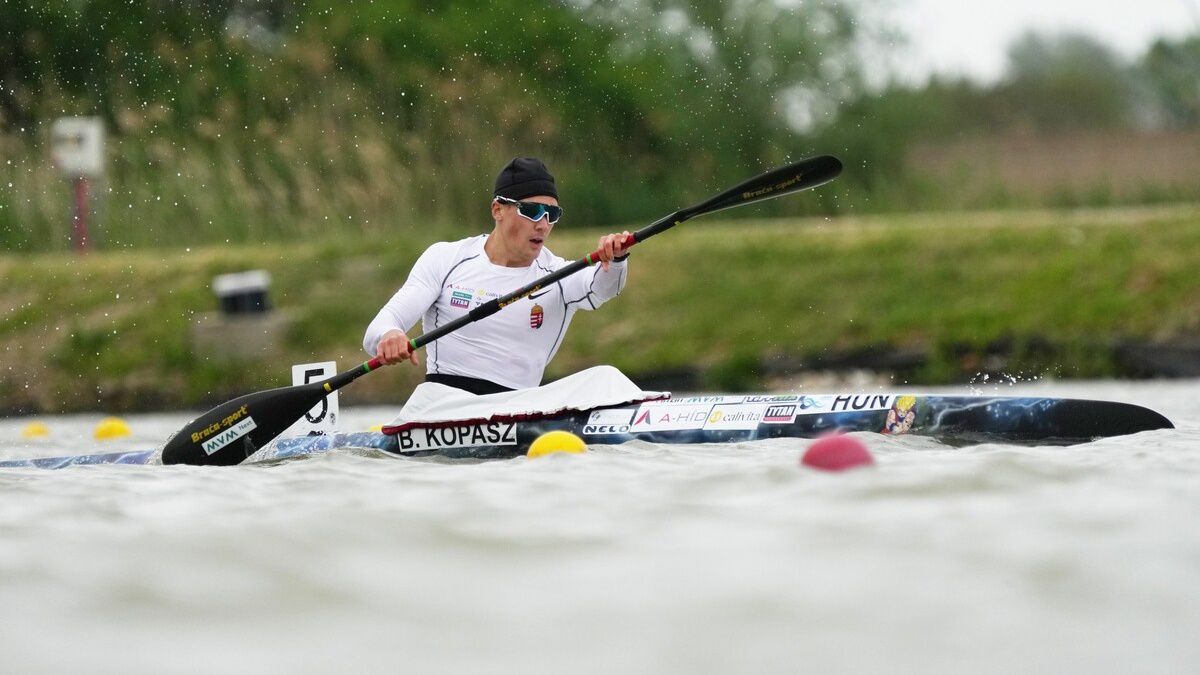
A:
[(510, 347)]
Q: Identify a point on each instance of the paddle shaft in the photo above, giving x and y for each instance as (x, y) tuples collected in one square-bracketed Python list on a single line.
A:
[(346, 377), (495, 305), (799, 176)]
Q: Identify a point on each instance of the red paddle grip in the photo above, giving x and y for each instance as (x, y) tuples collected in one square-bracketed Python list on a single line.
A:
[(594, 257)]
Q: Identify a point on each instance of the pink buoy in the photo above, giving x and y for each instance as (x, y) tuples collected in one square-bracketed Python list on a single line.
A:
[(837, 453)]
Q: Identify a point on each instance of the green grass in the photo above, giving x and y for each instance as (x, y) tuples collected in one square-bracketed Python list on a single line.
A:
[(109, 330)]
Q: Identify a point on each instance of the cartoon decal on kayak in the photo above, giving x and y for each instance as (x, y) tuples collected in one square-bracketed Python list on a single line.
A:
[(901, 416)]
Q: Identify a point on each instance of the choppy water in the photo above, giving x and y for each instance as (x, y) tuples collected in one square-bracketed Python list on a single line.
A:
[(637, 558)]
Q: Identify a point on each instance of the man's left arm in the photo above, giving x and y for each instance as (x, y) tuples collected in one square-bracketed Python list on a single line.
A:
[(603, 282)]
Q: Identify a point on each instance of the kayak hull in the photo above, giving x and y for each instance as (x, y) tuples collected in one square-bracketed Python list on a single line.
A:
[(955, 420), (961, 420)]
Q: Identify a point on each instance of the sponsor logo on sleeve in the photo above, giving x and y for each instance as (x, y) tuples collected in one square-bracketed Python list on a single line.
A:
[(470, 436), (460, 299)]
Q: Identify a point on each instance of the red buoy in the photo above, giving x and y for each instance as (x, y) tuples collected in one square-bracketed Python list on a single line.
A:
[(837, 453)]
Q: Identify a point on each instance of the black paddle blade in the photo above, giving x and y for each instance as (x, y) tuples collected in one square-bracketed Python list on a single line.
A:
[(231, 432), (802, 175)]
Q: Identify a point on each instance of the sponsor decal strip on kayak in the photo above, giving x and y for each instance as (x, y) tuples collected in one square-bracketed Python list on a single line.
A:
[(611, 416), (669, 417), (735, 417), (862, 402)]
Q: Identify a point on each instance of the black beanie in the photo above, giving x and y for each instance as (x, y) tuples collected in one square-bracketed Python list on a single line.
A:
[(525, 177)]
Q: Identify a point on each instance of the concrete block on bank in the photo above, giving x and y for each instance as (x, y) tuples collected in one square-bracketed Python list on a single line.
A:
[(243, 292), (240, 336)]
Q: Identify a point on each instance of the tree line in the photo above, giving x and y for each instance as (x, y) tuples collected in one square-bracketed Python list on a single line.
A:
[(244, 120)]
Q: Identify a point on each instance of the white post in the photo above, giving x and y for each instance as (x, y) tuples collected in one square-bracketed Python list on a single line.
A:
[(77, 149)]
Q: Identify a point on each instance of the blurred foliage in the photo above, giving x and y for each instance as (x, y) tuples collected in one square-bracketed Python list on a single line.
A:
[(1172, 70), (242, 120), (259, 120), (1055, 85), (1063, 83)]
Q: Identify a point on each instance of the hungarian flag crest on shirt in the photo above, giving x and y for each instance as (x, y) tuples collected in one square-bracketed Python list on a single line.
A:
[(536, 316)]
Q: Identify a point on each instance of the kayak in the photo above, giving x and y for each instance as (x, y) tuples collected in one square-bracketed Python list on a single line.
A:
[(954, 420), (720, 418)]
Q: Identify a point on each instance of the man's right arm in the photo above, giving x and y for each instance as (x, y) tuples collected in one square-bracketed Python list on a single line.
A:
[(387, 335)]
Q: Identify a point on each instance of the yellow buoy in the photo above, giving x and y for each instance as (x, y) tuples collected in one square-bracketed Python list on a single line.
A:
[(35, 430), (376, 427), (111, 427), (556, 441)]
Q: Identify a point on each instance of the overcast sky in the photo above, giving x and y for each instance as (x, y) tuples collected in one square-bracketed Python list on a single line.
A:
[(971, 36)]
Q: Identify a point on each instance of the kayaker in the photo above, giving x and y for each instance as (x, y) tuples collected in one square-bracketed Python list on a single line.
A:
[(510, 349)]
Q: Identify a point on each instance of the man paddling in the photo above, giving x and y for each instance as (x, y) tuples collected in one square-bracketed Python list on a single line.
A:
[(510, 349)]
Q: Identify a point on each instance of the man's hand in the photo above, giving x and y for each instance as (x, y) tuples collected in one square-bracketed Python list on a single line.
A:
[(611, 246), (394, 348)]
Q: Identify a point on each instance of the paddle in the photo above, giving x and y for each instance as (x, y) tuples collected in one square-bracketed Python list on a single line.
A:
[(232, 431)]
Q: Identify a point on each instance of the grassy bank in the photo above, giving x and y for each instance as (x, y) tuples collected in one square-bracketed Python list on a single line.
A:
[(110, 331)]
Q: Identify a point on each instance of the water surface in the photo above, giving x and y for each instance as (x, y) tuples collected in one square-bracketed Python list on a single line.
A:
[(634, 558)]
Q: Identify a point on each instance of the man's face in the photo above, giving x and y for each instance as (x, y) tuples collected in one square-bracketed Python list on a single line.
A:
[(521, 235)]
